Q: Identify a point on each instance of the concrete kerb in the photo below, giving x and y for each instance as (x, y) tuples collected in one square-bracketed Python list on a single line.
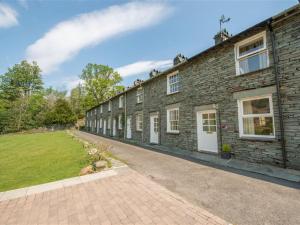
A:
[(12, 194)]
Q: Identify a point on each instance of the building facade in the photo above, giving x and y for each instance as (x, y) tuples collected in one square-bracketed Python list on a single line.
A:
[(244, 91)]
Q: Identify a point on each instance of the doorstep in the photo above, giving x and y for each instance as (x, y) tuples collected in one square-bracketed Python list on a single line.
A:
[(272, 171)]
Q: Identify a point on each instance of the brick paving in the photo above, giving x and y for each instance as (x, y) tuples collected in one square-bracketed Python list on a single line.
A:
[(126, 198)]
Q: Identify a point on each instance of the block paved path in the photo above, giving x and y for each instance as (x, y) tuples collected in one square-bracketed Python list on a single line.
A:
[(126, 198)]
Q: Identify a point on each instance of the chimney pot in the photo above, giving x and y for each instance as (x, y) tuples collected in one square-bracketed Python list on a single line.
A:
[(179, 59), (221, 36)]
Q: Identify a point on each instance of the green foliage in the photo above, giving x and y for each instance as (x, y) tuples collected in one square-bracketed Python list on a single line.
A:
[(226, 148), (101, 83), (61, 114)]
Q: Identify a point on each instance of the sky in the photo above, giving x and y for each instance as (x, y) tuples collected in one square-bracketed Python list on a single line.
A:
[(133, 37)]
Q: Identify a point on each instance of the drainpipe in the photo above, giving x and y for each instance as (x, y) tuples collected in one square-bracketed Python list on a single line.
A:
[(220, 127), (278, 95), (125, 118)]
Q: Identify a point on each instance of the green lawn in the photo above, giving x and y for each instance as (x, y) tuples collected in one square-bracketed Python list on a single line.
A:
[(30, 159)]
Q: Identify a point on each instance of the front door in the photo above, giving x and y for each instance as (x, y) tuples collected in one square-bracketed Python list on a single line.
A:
[(114, 127), (128, 126), (207, 131), (154, 130), (104, 127)]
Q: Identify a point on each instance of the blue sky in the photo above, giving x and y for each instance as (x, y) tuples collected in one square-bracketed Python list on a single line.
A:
[(132, 37)]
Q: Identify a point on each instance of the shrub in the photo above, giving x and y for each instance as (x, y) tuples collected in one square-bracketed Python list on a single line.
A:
[(226, 148)]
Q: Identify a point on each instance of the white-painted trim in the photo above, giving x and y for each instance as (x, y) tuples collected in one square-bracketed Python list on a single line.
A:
[(139, 92), (168, 82), (120, 122), (109, 106), (248, 40), (138, 116), (168, 120), (121, 100), (241, 116)]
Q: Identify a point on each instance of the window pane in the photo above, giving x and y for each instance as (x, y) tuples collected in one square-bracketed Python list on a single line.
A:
[(205, 122), (212, 122), (213, 128), (253, 63), (257, 106), (205, 116), (205, 128), (258, 126), (251, 47)]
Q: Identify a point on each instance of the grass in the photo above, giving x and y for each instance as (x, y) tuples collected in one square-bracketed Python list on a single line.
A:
[(30, 159)]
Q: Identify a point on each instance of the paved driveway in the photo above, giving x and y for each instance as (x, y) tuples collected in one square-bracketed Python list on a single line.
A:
[(124, 198), (239, 198)]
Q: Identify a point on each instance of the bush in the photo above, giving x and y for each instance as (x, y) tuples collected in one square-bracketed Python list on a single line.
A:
[(226, 148)]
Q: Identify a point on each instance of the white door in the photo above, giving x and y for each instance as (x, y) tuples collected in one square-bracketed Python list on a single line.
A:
[(128, 126), (104, 127), (207, 131), (154, 130), (114, 127)]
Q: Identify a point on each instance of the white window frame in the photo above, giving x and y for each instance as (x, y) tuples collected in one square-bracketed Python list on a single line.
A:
[(140, 95), (139, 121), (100, 123), (109, 123), (169, 122), (246, 41), (241, 116), (168, 82), (101, 109), (109, 106), (120, 127), (121, 101)]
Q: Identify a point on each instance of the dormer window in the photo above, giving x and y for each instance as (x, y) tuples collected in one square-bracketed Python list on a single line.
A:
[(251, 54)]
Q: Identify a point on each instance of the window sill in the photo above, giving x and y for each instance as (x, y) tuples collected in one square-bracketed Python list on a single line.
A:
[(173, 132), (139, 130), (139, 103), (173, 93), (253, 72), (262, 139)]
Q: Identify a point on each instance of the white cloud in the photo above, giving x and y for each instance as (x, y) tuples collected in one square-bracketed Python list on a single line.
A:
[(67, 38), (141, 67), (8, 16)]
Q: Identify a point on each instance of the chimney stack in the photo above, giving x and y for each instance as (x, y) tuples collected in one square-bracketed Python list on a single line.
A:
[(153, 73), (221, 36), (137, 82), (179, 59)]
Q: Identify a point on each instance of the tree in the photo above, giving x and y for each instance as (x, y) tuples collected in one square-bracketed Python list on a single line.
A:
[(61, 114), (100, 82), (18, 87), (22, 80), (77, 101)]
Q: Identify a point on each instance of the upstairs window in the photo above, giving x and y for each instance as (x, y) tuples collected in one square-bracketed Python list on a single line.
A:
[(109, 106), (139, 121), (121, 101), (256, 117), (100, 123), (139, 95), (173, 83), (252, 54), (173, 120), (120, 122), (101, 109)]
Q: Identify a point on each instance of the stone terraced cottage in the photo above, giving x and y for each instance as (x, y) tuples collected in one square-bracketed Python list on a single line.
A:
[(243, 91)]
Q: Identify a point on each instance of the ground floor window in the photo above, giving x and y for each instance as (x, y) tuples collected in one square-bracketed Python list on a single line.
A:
[(120, 122), (139, 121), (173, 120), (100, 123), (256, 117), (109, 123)]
